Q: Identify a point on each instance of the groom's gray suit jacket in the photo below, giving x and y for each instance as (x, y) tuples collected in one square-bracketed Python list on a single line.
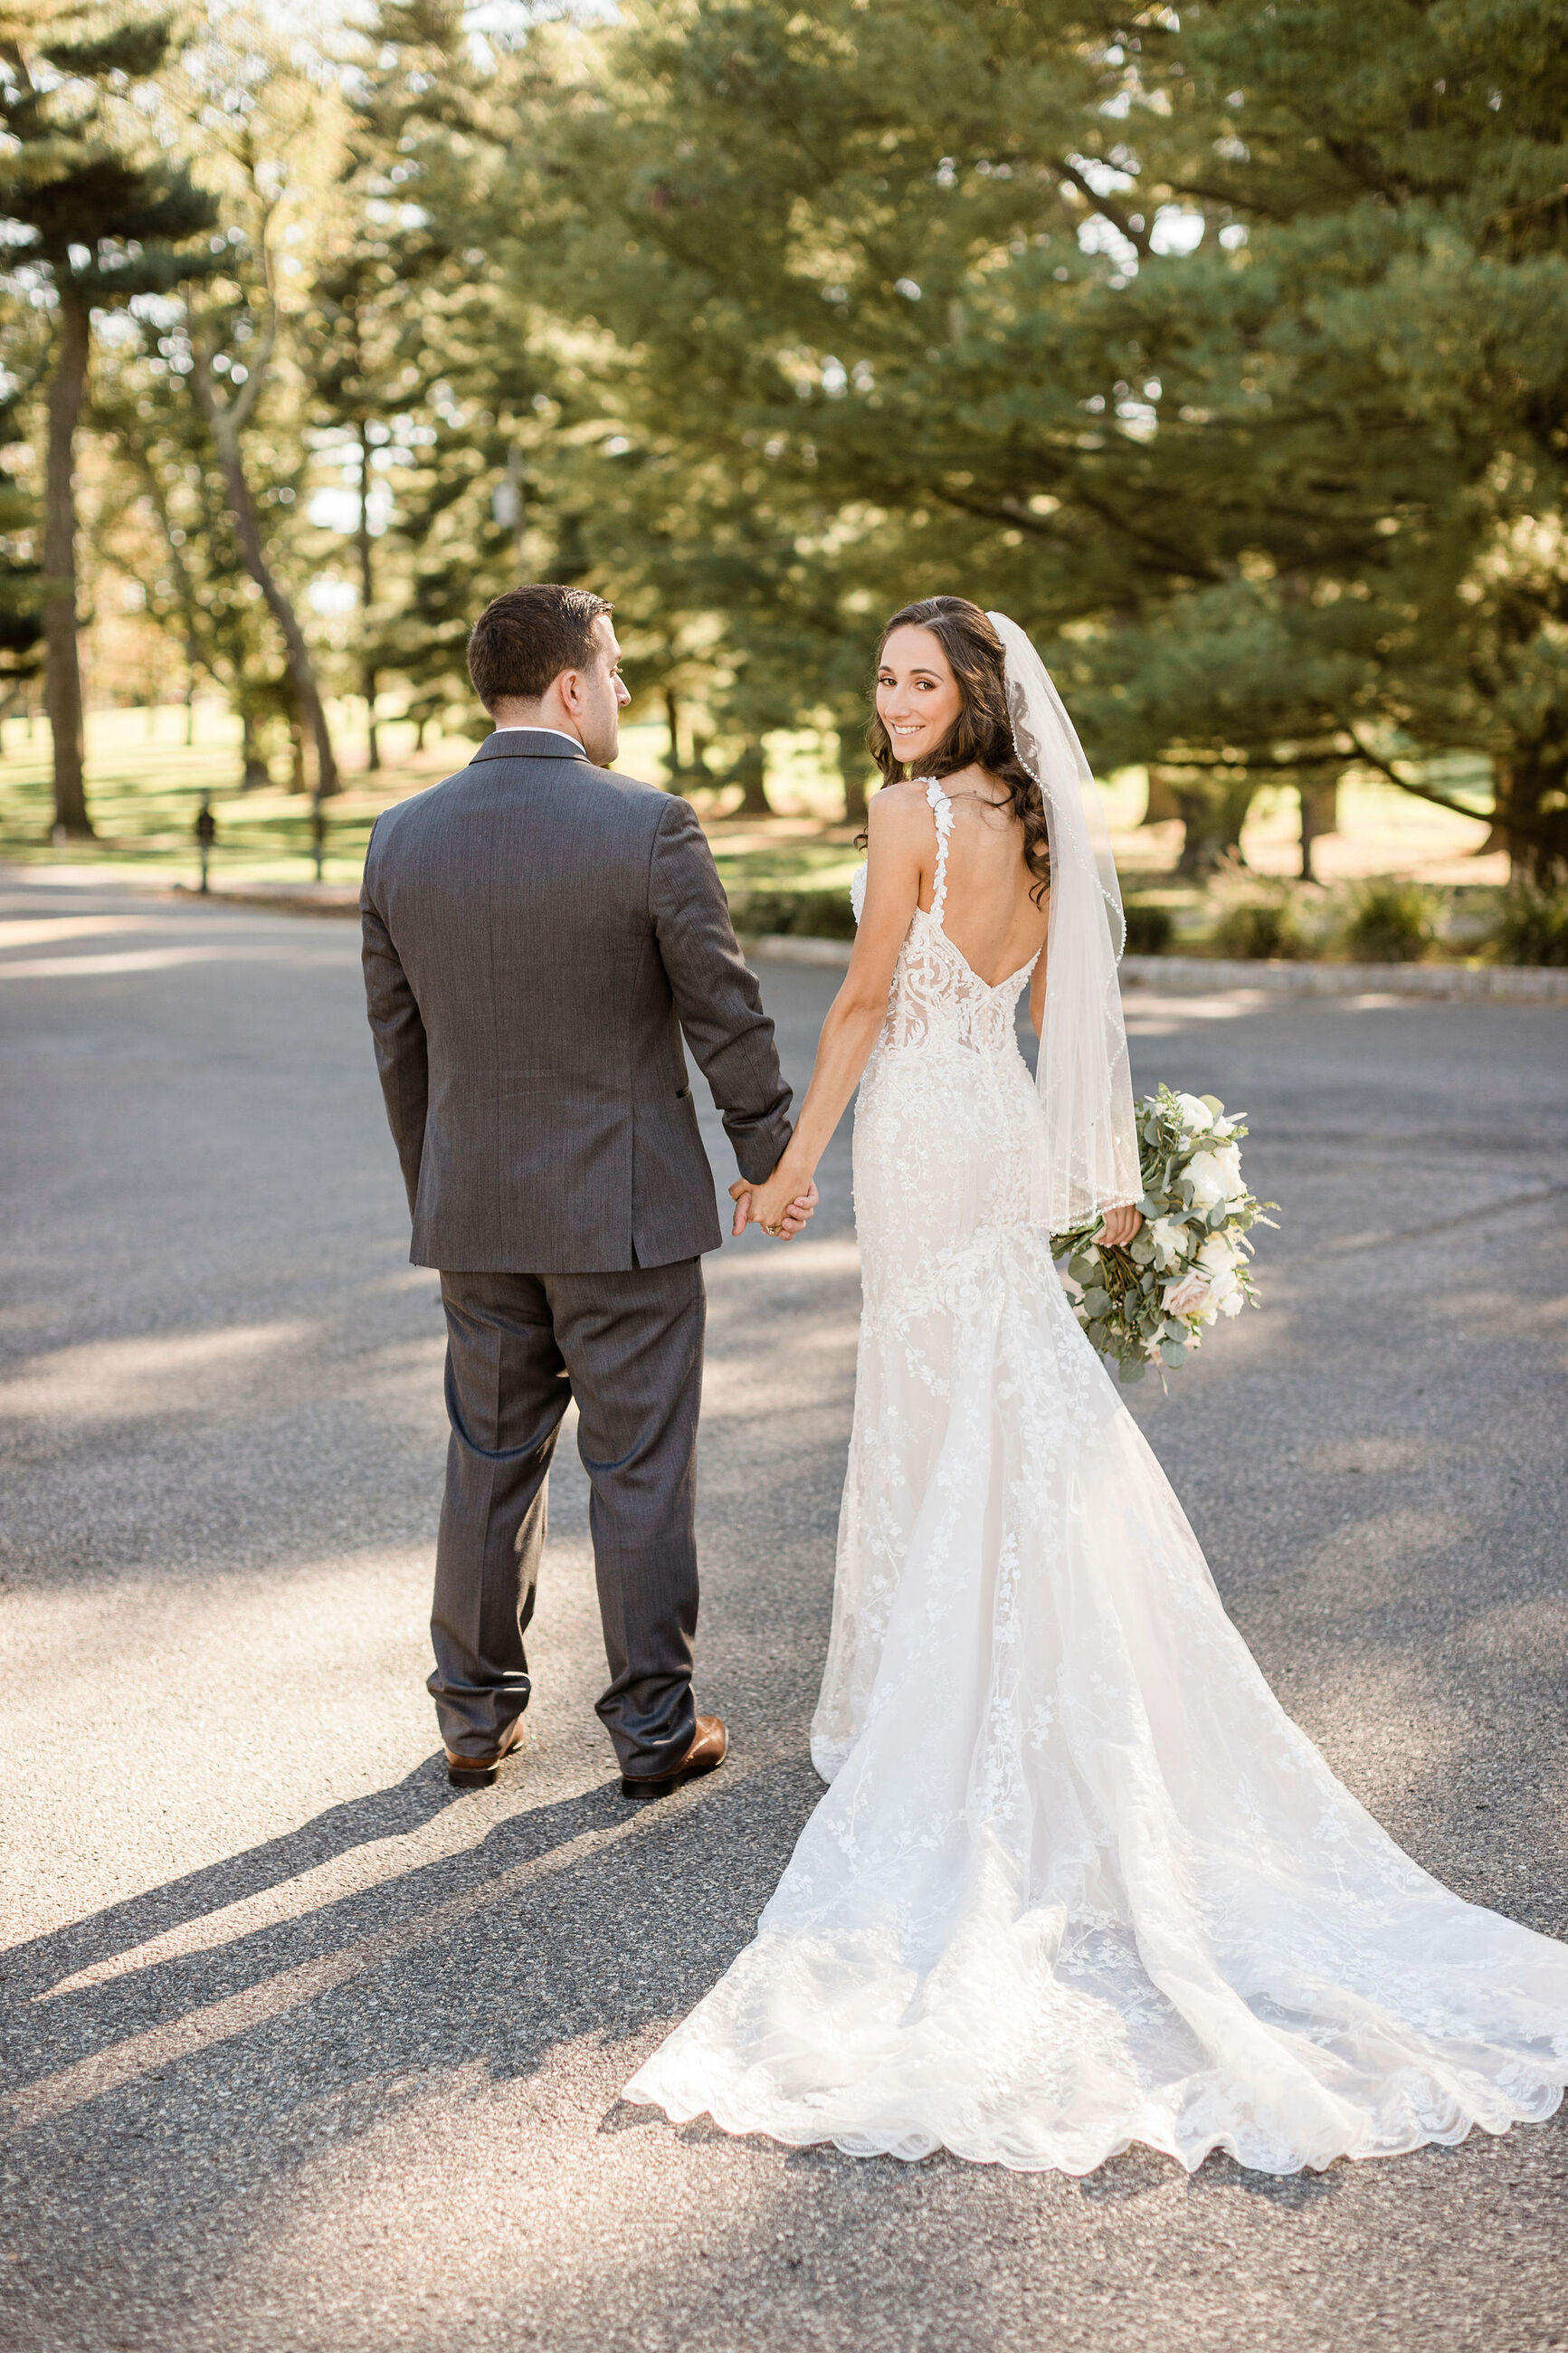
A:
[(538, 934)]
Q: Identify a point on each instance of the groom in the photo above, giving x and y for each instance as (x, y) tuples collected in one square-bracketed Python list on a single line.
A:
[(539, 934)]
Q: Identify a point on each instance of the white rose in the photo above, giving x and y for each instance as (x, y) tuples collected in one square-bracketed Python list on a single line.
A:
[(1232, 1304), (1194, 1115), (1169, 1235), (1215, 1176), (1218, 1261)]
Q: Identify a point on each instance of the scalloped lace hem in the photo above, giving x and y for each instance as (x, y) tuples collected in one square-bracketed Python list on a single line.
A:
[(912, 2143)]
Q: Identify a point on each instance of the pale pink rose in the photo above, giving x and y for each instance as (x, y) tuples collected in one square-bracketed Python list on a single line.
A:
[(1186, 1298)]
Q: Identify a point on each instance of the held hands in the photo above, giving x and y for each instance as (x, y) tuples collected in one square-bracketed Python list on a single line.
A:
[(781, 1206)]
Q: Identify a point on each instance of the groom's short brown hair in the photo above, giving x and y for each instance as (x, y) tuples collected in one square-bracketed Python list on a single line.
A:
[(526, 636)]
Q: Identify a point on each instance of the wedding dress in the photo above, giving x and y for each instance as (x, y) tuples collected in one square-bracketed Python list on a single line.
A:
[(1077, 1881)]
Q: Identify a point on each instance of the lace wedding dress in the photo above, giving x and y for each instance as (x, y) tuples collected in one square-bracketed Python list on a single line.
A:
[(1079, 1881)]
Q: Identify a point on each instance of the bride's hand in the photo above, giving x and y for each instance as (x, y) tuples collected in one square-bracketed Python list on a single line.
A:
[(781, 1207), (1119, 1226)]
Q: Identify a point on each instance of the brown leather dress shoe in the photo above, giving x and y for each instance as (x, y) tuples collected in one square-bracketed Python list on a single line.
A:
[(710, 1747), (478, 1772)]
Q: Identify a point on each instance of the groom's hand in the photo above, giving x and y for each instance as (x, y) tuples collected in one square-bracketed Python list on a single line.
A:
[(793, 1215)]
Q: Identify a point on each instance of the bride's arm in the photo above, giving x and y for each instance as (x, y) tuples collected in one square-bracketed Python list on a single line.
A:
[(899, 847)]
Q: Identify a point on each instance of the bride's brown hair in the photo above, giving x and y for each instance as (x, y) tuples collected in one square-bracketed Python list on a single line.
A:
[(983, 732)]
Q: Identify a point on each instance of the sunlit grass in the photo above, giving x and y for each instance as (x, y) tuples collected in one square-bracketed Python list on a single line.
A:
[(146, 782)]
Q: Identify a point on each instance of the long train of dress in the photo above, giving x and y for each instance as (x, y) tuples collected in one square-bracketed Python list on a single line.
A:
[(1077, 1881)]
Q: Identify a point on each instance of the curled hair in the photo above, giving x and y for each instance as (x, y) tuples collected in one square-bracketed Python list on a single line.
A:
[(982, 735)]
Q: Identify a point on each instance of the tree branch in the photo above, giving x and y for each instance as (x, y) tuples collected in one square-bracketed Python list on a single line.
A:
[(1120, 221), (1019, 519), (1419, 792)]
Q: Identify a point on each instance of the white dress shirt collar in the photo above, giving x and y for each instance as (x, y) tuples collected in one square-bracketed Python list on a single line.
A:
[(559, 732)]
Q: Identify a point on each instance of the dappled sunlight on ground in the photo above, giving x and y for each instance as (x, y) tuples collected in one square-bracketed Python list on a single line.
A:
[(116, 1380)]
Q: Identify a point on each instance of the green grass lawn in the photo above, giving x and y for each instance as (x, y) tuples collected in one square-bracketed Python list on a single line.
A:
[(146, 783)]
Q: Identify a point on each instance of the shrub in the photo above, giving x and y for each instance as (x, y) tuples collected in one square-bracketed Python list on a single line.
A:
[(810, 914), (1149, 929), (1258, 928), (1392, 923), (1532, 927)]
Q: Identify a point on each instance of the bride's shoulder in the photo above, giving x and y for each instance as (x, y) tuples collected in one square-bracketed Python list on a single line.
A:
[(899, 813)]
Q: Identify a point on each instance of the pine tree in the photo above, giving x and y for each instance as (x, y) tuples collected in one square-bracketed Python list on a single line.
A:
[(1409, 233), (424, 357), (1238, 380), (21, 572), (101, 216), (389, 277)]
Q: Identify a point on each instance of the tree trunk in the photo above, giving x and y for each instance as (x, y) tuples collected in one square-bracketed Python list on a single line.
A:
[(254, 773), (853, 762), (751, 769), (517, 507), (1163, 803), (366, 599), (247, 531), (136, 449), (62, 688), (1320, 799), (1212, 814), (673, 773), (1530, 812)]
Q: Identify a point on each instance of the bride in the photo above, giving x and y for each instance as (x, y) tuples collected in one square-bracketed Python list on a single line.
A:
[(1078, 1880)]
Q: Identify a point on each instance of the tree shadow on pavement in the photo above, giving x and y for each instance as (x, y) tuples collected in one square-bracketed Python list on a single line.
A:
[(30, 1969), (632, 1927)]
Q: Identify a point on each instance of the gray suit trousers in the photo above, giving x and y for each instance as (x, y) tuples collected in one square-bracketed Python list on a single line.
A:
[(628, 1346)]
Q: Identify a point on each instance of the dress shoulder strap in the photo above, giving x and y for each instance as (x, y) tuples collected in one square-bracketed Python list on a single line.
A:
[(942, 809)]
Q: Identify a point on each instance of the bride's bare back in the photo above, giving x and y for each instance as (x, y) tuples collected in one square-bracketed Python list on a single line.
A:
[(990, 916)]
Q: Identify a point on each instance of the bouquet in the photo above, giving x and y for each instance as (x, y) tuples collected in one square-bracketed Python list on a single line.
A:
[(1152, 1302)]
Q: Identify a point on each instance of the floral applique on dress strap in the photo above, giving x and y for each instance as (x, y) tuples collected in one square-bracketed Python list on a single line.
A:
[(942, 809)]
